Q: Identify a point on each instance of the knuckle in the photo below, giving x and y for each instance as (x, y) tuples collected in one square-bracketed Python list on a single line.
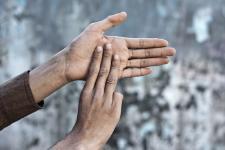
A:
[(111, 79), (107, 54), (162, 52), (96, 55), (148, 53), (103, 71), (93, 71), (166, 61), (141, 43), (130, 53), (143, 63), (129, 63), (115, 64), (116, 68)]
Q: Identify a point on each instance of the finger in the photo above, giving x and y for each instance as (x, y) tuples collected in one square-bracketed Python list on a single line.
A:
[(141, 63), (112, 80), (135, 72), (93, 69), (138, 43), (111, 21), (104, 69), (117, 102), (149, 53)]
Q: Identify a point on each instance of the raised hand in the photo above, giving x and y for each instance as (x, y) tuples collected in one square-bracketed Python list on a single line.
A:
[(136, 54), (100, 105)]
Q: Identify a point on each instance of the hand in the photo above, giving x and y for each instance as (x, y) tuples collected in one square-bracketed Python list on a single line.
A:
[(100, 105), (72, 62), (136, 54)]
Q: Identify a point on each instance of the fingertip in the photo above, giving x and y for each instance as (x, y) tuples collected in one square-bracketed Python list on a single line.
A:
[(99, 49), (118, 18), (116, 57), (173, 51), (165, 42), (121, 96), (107, 50), (167, 60), (116, 61), (147, 71), (170, 51), (98, 52), (112, 21), (123, 13), (108, 46)]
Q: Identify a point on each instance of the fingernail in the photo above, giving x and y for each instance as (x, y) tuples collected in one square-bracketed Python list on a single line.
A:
[(108, 46), (116, 57), (99, 49)]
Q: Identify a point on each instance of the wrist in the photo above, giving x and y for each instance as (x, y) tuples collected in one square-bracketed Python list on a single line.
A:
[(83, 142), (75, 141), (48, 77), (61, 65)]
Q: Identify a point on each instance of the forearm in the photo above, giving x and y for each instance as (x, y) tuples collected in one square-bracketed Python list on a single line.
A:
[(48, 77), (16, 100)]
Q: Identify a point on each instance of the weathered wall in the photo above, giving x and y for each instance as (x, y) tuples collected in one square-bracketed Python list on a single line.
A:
[(180, 107)]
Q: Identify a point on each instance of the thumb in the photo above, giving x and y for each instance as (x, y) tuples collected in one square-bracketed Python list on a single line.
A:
[(111, 21)]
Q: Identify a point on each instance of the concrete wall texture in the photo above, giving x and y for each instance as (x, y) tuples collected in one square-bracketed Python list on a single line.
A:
[(181, 106)]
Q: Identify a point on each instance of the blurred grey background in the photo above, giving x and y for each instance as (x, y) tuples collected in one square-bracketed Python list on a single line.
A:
[(181, 106)]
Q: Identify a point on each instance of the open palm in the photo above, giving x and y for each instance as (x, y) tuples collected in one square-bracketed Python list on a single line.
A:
[(136, 53)]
